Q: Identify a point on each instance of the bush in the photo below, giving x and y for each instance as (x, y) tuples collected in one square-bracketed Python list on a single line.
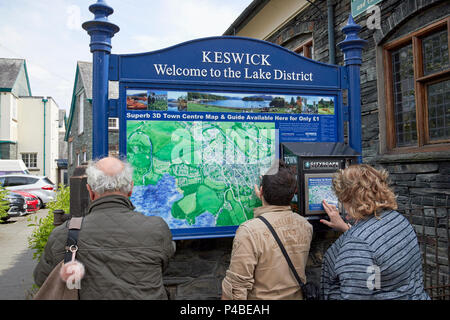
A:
[(4, 204), (44, 226)]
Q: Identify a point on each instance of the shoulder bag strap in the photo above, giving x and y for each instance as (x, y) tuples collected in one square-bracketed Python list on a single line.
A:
[(283, 250), (72, 237)]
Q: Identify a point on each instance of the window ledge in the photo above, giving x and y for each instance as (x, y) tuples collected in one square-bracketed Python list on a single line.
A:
[(414, 157)]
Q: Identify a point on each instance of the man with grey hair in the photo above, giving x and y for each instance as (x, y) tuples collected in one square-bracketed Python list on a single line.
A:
[(123, 251)]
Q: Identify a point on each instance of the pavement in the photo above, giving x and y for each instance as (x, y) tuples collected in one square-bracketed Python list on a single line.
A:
[(16, 259)]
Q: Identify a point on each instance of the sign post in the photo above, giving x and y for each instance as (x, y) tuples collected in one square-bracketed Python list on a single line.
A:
[(101, 32), (352, 47)]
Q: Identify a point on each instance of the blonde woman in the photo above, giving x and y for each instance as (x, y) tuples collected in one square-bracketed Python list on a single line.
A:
[(377, 257)]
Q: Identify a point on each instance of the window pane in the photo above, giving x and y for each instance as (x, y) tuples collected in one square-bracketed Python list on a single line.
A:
[(25, 159), (439, 110), (30, 159), (16, 181), (31, 180), (404, 100), (435, 52), (47, 180)]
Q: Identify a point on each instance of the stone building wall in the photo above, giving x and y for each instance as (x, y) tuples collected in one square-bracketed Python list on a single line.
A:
[(83, 142), (8, 150)]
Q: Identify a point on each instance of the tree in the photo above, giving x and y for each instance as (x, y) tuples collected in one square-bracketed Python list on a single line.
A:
[(292, 103), (277, 102)]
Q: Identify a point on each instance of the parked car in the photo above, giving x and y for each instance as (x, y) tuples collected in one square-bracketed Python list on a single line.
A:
[(40, 186), (31, 200), (17, 205)]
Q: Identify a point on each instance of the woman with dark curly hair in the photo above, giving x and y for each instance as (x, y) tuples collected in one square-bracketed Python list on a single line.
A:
[(377, 257)]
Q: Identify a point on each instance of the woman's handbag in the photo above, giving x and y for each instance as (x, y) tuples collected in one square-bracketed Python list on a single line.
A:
[(309, 290), (54, 288)]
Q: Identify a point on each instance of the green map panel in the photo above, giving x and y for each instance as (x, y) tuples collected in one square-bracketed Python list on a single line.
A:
[(198, 174)]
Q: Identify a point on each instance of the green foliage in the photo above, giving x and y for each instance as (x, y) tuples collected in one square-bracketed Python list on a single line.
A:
[(205, 96), (44, 226), (62, 201), (277, 102), (4, 203)]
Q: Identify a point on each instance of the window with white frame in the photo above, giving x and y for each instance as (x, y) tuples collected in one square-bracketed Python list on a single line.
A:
[(113, 123), (30, 159), (84, 156), (81, 113)]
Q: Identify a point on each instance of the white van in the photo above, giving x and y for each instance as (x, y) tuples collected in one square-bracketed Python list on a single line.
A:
[(13, 167)]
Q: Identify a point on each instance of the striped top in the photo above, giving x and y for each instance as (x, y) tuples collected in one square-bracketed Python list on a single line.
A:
[(375, 259)]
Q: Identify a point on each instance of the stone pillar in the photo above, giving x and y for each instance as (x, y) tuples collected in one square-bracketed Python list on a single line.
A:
[(79, 195)]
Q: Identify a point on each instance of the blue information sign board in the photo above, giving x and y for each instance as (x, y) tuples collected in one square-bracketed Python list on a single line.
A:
[(202, 120)]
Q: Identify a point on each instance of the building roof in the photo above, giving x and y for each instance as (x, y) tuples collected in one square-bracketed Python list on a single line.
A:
[(85, 69), (10, 71), (84, 74)]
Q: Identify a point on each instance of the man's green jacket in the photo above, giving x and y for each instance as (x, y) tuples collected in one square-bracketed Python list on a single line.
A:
[(124, 252)]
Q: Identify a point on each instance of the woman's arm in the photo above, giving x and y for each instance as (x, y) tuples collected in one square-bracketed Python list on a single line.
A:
[(359, 276)]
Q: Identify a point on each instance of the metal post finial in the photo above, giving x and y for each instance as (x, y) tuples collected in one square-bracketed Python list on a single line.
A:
[(352, 45), (100, 29)]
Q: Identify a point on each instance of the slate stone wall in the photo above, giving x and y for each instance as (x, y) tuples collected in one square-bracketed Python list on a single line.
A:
[(83, 142)]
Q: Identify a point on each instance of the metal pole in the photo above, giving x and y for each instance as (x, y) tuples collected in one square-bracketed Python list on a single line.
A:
[(101, 32), (43, 157), (352, 47), (331, 41)]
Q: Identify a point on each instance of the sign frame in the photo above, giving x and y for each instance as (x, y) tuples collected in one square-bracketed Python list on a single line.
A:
[(109, 67), (254, 87)]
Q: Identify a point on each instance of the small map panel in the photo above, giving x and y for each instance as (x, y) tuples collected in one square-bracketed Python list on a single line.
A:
[(319, 189)]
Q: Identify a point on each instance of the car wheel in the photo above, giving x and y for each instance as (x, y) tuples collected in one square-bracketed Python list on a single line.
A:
[(40, 204)]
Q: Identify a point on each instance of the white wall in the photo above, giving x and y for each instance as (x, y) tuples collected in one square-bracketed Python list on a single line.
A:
[(8, 117), (31, 133)]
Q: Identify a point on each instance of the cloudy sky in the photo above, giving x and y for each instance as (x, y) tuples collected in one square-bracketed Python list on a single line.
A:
[(48, 33)]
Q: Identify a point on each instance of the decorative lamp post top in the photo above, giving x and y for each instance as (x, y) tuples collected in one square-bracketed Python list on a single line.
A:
[(101, 7), (352, 45), (100, 29)]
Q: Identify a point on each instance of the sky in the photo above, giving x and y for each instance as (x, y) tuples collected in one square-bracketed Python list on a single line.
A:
[(48, 33)]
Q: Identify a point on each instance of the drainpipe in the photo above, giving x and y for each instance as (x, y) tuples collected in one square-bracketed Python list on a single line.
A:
[(44, 101), (331, 41)]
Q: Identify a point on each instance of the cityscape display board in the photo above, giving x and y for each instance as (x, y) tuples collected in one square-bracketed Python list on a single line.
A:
[(203, 123)]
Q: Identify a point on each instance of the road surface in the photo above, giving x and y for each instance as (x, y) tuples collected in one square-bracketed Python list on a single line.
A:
[(16, 260)]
